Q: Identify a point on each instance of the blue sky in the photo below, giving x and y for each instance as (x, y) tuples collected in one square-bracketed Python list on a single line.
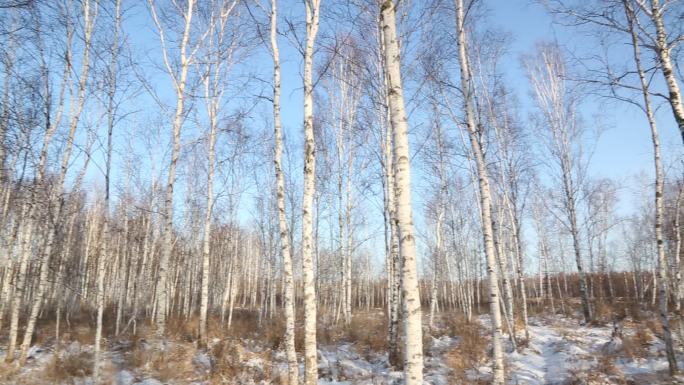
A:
[(623, 150)]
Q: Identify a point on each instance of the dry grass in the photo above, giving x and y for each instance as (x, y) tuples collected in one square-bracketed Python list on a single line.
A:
[(634, 311), (636, 345), (470, 352), (67, 366), (233, 364), (171, 362), (244, 324), (8, 373), (368, 332), (605, 372), (604, 313), (183, 329)]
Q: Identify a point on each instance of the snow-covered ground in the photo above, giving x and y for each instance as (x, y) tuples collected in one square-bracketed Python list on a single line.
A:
[(559, 352), (562, 352)]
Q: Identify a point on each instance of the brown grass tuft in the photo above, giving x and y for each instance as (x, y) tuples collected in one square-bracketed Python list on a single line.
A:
[(63, 367), (470, 350), (368, 333), (232, 363)]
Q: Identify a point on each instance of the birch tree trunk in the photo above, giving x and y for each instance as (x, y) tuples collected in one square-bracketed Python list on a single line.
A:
[(563, 137), (112, 73), (289, 289), (394, 268), (661, 278), (395, 262), (179, 82), (55, 197), (212, 107), (310, 351), (663, 52), (413, 350), (217, 59), (678, 284), (485, 195)]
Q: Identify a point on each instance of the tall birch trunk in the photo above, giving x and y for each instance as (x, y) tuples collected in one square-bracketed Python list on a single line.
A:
[(179, 82), (55, 198), (563, 137), (105, 224), (289, 289), (310, 350), (678, 284), (485, 195), (663, 52), (393, 261), (212, 109), (659, 189), (30, 218), (413, 350)]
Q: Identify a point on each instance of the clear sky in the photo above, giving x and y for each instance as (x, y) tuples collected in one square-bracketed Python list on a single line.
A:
[(623, 150)]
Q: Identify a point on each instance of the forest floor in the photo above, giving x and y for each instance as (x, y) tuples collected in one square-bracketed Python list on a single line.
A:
[(559, 351)]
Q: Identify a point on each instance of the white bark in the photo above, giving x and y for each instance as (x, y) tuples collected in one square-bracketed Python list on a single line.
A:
[(310, 350), (663, 50), (179, 82), (289, 289), (212, 109), (105, 225), (394, 268), (413, 350), (661, 277), (56, 199), (485, 195), (562, 136), (678, 284), (217, 60)]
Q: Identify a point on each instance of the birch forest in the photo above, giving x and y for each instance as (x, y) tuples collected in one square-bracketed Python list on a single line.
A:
[(341, 192)]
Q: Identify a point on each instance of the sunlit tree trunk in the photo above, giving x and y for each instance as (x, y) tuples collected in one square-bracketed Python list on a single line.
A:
[(413, 349), (104, 254), (217, 58), (663, 51), (659, 190), (289, 289), (179, 82), (393, 261), (485, 195), (310, 350), (55, 198), (678, 284)]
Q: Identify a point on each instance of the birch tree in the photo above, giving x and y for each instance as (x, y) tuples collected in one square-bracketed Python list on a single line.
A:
[(219, 57), (467, 88), (393, 260), (111, 117), (413, 349), (179, 78), (663, 44), (657, 29), (312, 8), (284, 233), (562, 135), (659, 191), (55, 199)]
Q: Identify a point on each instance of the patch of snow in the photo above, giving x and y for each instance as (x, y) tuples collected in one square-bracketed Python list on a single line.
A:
[(124, 377), (202, 363)]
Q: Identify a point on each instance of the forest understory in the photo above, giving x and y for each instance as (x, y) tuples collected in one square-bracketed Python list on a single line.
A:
[(622, 346)]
